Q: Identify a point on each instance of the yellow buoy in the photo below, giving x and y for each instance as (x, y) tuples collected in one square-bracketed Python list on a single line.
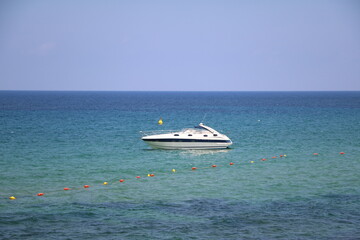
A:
[(12, 198), (149, 175), (160, 122), (105, 183), (252, 161), (173, 170)]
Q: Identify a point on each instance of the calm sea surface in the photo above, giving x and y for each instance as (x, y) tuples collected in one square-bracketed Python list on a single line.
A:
[(55, 140)]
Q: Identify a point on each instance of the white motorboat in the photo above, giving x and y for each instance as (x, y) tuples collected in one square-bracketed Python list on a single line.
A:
[(200, 137)]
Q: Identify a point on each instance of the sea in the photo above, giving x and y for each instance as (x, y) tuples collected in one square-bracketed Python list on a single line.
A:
[(295, 171)]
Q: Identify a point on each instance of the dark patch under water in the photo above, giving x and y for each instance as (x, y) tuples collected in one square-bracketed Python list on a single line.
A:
[(324, 217)]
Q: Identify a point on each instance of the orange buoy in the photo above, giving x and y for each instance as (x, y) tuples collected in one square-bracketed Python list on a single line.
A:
[(281, 155), (214, 165), (315, 154), (138, 177), (342, 153), (193, 168), (40, 194), (264, 159), (66, 188), (231, 163), (86, 186), (273, 157), (152, 175), (121, 180)]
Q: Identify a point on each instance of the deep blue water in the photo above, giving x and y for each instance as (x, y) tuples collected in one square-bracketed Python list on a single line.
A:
[(53, 140)]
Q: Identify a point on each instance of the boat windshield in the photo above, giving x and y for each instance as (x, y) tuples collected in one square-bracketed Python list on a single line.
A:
[(198, 130)]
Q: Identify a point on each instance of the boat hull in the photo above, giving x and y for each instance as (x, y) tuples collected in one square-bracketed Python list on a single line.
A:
[(188, 144)]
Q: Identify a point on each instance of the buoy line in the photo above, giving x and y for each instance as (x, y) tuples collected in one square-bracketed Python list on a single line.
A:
[(139, 177)]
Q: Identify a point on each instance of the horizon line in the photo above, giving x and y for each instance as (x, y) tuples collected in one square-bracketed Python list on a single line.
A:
[(1, 90)]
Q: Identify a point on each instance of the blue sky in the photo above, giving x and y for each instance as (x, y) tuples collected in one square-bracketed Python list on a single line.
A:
[(194, 45)]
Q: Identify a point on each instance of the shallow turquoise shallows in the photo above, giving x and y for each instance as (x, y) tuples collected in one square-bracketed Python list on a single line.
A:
[(55, 140)]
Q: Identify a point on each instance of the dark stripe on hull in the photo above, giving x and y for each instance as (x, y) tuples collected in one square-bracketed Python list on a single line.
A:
[(191, 148), (186, 140)]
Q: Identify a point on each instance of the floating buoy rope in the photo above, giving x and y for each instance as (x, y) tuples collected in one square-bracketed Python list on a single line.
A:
[(122, 180)]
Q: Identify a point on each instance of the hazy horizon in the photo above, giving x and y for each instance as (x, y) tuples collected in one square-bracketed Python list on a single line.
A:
[(180, 45)]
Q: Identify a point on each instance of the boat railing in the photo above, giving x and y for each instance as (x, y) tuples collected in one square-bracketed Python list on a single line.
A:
[(156, 132)]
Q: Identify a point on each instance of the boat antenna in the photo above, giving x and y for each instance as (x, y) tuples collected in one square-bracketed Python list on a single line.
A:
[(204, 117)]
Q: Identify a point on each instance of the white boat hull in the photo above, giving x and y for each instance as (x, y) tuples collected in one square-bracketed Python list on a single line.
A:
[(187, 145)]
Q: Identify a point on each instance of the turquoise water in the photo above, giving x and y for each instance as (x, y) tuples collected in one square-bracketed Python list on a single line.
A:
[(53, 140)]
